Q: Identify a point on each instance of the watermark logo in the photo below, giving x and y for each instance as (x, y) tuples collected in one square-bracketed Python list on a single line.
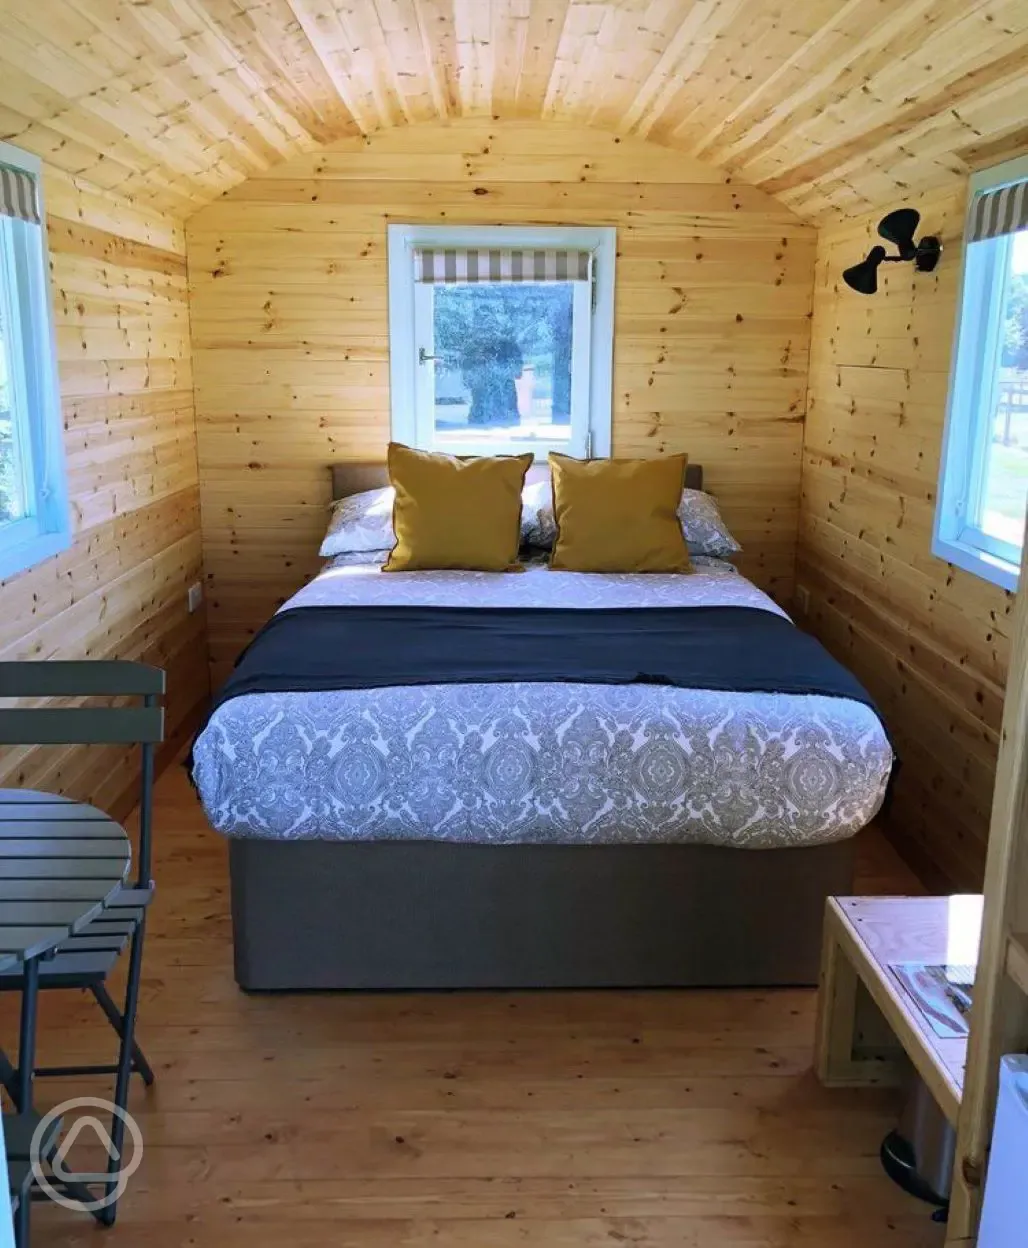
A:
[(52, 1170)]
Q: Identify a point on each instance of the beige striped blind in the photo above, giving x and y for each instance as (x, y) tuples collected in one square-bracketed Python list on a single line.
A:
[(494, 264), (18, 196), (998, 212)]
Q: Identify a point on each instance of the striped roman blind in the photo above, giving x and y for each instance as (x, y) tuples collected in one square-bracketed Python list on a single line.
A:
[(18, 196), (494, 264), (997, 212)]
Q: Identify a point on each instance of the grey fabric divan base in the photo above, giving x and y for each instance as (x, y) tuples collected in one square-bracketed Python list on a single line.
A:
[(417, 915)]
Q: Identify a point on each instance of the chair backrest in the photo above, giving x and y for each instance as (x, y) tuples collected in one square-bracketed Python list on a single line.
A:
[(89, 725), (81, 725)]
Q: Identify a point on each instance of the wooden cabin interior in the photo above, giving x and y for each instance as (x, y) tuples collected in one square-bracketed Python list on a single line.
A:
[(218, 178)]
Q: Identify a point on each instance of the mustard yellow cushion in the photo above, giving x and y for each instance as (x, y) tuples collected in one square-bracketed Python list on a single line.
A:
[(455, 513), (618, 515)]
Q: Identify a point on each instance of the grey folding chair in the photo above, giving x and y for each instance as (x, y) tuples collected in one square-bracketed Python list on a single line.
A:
[(86, 959)]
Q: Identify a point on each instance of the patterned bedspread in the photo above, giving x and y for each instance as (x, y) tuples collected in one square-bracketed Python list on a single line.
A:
[(558, 763)]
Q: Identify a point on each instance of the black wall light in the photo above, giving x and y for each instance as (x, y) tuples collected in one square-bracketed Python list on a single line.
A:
[(898, 228)]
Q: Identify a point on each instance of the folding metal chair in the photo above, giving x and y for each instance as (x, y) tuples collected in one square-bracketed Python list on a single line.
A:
[(86, 960)]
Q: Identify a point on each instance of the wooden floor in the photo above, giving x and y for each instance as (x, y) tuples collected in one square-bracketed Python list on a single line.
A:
[(689, 1119)]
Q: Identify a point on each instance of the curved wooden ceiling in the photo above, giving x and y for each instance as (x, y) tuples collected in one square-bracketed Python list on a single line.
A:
[(831, 105)]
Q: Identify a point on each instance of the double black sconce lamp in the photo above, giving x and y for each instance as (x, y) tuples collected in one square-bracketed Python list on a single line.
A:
[(897, 228)]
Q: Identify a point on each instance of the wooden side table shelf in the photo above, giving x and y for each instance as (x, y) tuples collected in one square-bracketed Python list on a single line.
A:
[(866, 1020)]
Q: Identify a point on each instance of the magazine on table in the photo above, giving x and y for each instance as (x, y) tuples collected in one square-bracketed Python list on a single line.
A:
[(942, 993)]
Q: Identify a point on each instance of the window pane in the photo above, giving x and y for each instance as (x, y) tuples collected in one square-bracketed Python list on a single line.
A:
[(12, 489), (1006, 462), (503, 362)]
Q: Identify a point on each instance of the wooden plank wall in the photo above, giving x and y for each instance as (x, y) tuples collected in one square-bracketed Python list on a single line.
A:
[(288, 301), (929, 641), (122, 326)]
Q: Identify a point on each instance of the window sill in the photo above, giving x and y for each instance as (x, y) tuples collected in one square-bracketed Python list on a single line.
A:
[(19, 556), (977, 562)]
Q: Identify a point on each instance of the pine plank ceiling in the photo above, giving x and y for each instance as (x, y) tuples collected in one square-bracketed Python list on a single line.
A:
[(834, 106)]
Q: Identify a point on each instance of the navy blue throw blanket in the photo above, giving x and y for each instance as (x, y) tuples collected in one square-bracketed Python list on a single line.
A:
[(731, 648)]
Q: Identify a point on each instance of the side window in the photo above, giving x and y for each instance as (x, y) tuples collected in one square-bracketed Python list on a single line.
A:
[(34, 521), (983, 485), (501, 339)]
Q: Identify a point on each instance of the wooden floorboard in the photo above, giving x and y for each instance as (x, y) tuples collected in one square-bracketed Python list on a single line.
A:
[(484, 1120)]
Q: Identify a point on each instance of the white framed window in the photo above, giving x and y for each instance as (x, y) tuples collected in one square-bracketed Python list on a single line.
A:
[(983, 477), (34, 520), (501, 338)]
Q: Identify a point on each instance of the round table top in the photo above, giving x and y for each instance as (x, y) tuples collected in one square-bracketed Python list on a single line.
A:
[(61, 862)]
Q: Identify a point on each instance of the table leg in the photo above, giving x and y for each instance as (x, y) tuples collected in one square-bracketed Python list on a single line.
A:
[(836, 1007), (854, 1046)]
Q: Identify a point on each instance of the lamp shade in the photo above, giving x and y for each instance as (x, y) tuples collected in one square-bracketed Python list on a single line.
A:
[(863, 277), (899, 228)]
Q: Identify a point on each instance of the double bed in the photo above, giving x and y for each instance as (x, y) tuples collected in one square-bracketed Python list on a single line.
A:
[(537, 833)]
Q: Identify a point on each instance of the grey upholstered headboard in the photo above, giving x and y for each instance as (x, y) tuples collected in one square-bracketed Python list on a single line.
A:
[(350, 479)]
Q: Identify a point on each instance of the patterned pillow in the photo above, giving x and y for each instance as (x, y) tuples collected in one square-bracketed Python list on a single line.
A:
[(705, 531), (714, 566), (358, 558), (538, 528), (364, 521), (532, 557)]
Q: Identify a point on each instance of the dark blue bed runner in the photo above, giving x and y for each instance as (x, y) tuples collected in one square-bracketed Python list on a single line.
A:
[(311, 649)]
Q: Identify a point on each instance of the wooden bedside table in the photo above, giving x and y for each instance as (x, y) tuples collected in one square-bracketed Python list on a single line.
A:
[(865, 1017)]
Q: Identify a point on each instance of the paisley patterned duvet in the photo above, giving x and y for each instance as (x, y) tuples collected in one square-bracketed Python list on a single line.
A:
[(558, 763)]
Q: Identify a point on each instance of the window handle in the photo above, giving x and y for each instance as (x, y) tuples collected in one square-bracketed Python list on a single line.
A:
[(424, 357)]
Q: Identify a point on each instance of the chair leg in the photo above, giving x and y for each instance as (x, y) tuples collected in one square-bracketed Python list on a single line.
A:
[(27, 1037), (22, 1094), (121, 1084), (8, 1075), (139, 1062), (22, 1221)]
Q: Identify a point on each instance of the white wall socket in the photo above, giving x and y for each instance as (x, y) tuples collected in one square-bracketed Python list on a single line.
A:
[(194, 596)]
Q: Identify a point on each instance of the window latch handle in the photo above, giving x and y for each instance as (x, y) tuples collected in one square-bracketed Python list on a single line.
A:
[(424, 357)]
